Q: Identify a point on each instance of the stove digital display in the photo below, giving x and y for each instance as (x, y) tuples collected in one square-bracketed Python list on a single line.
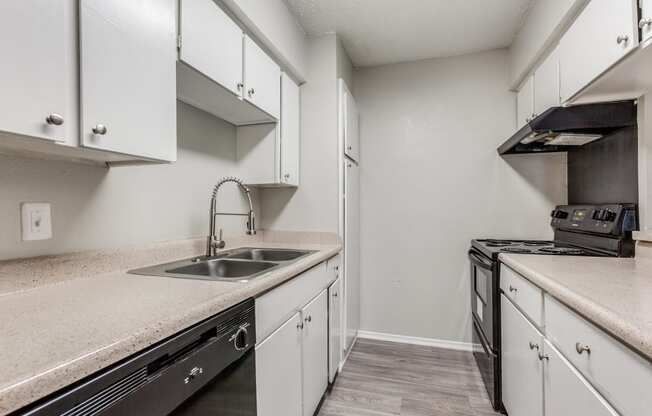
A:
[(579, 214)]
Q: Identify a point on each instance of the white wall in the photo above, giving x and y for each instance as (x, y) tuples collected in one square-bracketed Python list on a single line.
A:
[(431, 180), (95, 207), (314, 205)]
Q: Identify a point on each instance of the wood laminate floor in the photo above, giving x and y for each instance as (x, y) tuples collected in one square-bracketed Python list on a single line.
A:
[(386, 378)]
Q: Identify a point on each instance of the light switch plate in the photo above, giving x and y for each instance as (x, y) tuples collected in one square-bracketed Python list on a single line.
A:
[(36, 221)]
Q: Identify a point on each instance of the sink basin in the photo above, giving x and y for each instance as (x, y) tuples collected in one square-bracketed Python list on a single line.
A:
[(224, 268), (237, 265), (266, 254)]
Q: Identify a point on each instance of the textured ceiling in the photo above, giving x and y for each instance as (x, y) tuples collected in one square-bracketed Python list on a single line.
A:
[(376, 32)]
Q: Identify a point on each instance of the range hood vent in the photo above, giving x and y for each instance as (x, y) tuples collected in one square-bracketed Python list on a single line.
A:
[(560, 128)]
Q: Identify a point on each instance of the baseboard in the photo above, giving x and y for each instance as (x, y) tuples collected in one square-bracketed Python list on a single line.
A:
[(429, 342)]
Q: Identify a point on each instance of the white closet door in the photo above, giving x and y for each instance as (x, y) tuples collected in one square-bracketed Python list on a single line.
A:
[(128, 77), (352, 250), (212, 43), (35, 68)]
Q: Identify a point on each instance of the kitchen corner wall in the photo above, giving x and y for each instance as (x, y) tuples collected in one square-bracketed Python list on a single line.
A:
[(95, 207), (431, 180), (314, 204)]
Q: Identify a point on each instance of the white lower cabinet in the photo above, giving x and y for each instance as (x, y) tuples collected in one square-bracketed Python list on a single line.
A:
[(334, 328), (566, 391), (278, 371), (522, 375), (315, 352)]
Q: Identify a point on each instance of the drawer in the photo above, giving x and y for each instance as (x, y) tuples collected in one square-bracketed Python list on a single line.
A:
[(523, 294), (278, 305), (620, 375)]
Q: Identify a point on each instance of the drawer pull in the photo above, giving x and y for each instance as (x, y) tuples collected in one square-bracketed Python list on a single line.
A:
[(543, 357), (581, 348), (534, 346), (194, 373), (512, 289)]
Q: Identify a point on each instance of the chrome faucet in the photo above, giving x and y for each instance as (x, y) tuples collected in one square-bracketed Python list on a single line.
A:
[(213, 243)]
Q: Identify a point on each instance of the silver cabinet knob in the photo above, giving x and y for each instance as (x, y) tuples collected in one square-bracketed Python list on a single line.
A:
[(300, 325), (512, 289), (308, 318), (581, 348), (349, 147), (286, 176), (622, 39), (240, 86), (251, 92), (335, 294), (534, 346), (54, 119), (543, 357), (100, 129), (645, 22)]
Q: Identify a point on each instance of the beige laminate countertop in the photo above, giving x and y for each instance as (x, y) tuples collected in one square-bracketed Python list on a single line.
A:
[(53, 334), (613, 293)]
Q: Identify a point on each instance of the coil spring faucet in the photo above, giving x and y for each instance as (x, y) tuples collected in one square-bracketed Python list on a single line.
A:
[(213, 243)]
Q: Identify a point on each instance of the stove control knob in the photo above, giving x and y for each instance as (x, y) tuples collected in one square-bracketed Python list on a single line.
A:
[(609, 215), (597, 214), (559, 214)]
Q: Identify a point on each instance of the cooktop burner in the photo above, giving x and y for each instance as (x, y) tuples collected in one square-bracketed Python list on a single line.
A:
[(498, 243), (516, 250), (562, 250), (493, 247), (537, 243)]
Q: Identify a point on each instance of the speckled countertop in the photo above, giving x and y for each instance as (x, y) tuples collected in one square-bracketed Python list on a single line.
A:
[(83, 316), (613, 293)]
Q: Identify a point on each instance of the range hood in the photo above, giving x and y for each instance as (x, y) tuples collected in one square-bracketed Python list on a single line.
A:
[(560, 128)]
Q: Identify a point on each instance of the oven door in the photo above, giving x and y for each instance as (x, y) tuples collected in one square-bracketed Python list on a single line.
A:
[(488, 364), (482, 294)]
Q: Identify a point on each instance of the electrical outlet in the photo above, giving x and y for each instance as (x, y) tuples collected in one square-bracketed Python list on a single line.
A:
[(36, 221)]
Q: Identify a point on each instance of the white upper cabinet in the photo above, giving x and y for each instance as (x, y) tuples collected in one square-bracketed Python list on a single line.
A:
[(35, 69), (128, 80), (211, 43), (525, 103), (645, 24), (522, 369), (546, 84), (604, 32), (351, 126), (262, 79), (290, 131)]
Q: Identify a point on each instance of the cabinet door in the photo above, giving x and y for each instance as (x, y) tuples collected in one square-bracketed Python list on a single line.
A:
[(522, 369), (211, 43), (546, 83), (290, 131), (128, 77), (315, 352), (334, 327), (602, 34), (262, 79), (525, 103), (278, 371), (35, 68), (351, 128), (567, 392), (352, 251)]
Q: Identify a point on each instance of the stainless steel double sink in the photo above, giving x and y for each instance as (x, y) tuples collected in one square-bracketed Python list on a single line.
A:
[(237, 265)]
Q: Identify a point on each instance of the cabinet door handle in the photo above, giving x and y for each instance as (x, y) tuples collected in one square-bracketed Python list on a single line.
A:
[(543, 357), (308, 318), (100, 129), (581, 348), (645, 22), (54, 119), (300, 325), (251, 92), (512, 289), (534, 346), (334, 294), (240, 86), (622, 39)]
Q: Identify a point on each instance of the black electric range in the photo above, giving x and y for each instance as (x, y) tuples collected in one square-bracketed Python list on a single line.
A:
[(579, 230)]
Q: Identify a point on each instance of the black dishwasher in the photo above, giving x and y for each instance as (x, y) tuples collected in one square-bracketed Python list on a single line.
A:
[(208, 369)]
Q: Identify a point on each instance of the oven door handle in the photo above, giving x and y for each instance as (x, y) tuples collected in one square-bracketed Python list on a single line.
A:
[(483, 340), (478, 261)]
